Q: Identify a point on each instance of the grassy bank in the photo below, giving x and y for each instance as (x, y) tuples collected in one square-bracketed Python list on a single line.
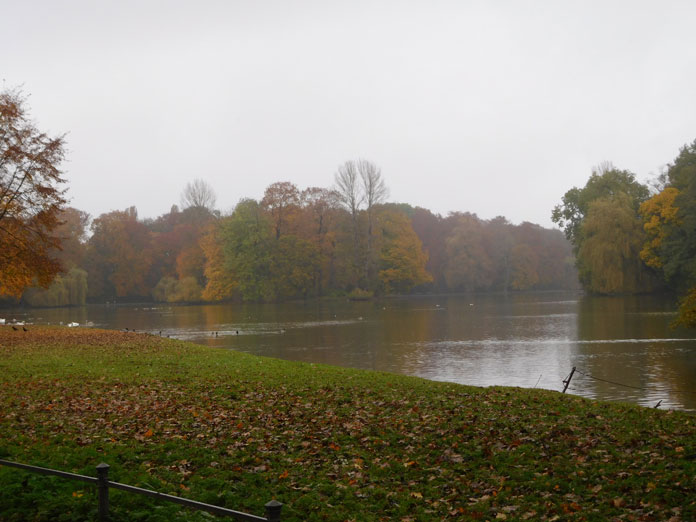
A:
[(330, 443)]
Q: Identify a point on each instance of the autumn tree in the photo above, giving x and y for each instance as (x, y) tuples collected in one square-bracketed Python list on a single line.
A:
[(524, 267), (687, 310), (402, 260), (294, 268), (660, 216), (542, 256), (119, 256), (175, 246), (31, 198), (69, 288), (317, 223), (320, 205), (72, 233), (670, 227), (676, 251), (432, 230), (281, 200), (221, 282), (469, 266)]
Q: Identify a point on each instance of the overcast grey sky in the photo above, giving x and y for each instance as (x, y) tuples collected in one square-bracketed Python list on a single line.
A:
[(491, 107)]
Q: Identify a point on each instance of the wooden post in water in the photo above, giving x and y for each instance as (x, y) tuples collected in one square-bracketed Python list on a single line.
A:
[(567, 381), (103, 488)]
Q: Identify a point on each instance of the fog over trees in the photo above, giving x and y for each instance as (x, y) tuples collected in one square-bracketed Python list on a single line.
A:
[(619, 236), (630, 237), (297, 243)]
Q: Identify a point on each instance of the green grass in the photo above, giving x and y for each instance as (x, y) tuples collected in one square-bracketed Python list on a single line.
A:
[(335, 444)]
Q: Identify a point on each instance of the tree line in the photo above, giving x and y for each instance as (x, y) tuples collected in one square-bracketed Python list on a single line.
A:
[(621, 235), (293, 243), (630, 237), (297, 244)]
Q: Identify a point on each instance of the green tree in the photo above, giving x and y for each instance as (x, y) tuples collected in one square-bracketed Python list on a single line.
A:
[(677, 250), (605, 181), (247, 237), (263, 266)]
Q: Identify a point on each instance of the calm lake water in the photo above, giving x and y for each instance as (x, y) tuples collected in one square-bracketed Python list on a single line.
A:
[(529, 340)]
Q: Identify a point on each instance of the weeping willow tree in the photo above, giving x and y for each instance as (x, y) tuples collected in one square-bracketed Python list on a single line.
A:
[(608, 257), (170, 290), (66, 290)]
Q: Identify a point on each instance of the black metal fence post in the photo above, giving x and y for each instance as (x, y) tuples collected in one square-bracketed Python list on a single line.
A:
[(103, 488), (103, 484), (273, 511)]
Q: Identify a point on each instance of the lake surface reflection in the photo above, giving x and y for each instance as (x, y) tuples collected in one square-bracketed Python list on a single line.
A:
[(516, 340)]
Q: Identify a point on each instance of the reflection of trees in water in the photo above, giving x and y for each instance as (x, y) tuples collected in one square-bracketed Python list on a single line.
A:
[(662, 369), (499, 340)]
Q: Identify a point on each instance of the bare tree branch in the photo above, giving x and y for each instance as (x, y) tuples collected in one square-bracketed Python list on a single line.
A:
[(198, 194)]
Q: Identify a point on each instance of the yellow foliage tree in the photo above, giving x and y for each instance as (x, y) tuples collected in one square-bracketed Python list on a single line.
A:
[(221, 283), (657, 212), (402, 259)]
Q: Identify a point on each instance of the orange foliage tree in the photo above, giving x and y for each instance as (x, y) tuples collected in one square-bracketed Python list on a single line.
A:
[(30, 198), (119, 255), (281, 201)]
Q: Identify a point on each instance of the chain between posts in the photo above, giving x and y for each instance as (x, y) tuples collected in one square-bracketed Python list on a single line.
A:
[(273, 508)]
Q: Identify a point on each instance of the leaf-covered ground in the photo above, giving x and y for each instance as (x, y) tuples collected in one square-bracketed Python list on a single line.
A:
[(329, 443)]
